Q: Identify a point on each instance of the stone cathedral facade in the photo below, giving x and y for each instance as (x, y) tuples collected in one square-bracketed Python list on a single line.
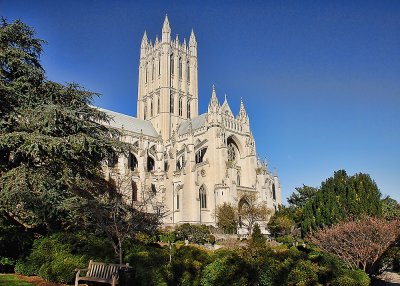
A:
[(187, 162)]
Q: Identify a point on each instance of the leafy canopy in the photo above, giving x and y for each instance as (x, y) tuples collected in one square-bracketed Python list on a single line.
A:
[(52, 142)]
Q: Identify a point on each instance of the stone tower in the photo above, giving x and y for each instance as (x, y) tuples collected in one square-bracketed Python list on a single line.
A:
[(168, 86)]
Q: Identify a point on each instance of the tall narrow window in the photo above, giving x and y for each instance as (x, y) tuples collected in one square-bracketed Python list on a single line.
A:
[(200, 155), (152, 70), (134, 191), (188, 71), (203, 197), (158, 104), (273, 192), (145, 111), (188, 109), (180, 68), (180, 106), (172, 64), (132, 161), (146, 74), (238, 179), (171, 103), (150, 164), (153, 189), (159, 66), (177, 201), (151, 108)]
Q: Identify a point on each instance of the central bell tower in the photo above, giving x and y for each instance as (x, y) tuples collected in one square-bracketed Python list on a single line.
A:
[(168, 85)]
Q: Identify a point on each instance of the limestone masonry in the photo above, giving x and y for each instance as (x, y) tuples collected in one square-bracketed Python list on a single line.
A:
[(187, 162)]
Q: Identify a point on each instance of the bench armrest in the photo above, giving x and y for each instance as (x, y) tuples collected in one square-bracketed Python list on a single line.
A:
[(83, 269)]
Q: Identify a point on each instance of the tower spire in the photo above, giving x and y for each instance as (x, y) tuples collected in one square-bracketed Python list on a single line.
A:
[(242, 110), (166, 30), (214, 104)]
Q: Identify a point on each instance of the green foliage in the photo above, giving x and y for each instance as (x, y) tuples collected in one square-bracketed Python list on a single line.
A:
[(341, 197), (51, 142), (281, 223), (15, 243), (227, 218), (257, 238), (199, 234), (390, 208), (352, 278), (304, 273), (54, 258), (228, 268), (150, 264), (299, 199)]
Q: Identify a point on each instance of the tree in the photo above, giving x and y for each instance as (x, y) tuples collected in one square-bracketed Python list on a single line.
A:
[(390, 208), (120, 220), (339, 198), (52, 142), (281, 223), (250, 212), (300, 198), (227, 218), (359, 243)]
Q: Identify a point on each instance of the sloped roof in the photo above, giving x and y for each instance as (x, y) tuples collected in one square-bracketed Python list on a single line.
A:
[(130, 123), (197, 123)]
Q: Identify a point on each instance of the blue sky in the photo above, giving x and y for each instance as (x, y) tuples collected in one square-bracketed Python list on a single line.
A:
[(319, 79)]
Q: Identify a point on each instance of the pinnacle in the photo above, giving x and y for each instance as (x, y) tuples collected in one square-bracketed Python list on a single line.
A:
[(166, 26)]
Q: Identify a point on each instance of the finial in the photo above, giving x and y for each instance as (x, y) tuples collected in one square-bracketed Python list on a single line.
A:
[(192, 39), (166, 27), (275, 172)]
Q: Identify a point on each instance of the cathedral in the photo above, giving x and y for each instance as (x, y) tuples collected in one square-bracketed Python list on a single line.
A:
[(187, 162)]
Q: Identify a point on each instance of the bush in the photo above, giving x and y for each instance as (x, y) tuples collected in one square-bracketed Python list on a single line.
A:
[(352, 278), (228, 268), (199, 234), (303, 274), (54, 258)]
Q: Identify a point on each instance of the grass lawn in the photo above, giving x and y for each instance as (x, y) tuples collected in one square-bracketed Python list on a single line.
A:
[(11, 280)]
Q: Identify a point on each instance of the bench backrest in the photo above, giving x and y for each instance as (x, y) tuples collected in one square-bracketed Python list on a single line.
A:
[(103, 270)]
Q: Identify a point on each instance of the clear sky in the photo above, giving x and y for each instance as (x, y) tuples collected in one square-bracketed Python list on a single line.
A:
[(319, 79)]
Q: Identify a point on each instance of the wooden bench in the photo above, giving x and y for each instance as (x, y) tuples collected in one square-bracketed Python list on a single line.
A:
[(100, 272)]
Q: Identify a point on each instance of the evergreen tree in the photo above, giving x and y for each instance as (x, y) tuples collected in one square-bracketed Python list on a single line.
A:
[(52, 142), (340, 198)]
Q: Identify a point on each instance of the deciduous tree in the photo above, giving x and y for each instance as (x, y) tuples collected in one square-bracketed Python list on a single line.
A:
[(359, 243), (227, 218)]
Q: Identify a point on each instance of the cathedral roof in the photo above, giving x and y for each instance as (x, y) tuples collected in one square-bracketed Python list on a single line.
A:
[(197, 123), (130, 123)]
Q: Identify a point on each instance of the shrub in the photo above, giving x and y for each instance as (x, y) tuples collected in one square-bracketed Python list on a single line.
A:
[(54, 258), (194, 233), (303, 274), (228, 268), (352, 278)]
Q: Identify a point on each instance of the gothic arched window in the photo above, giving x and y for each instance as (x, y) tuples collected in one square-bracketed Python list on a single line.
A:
[(153, 189), (151, 108), (145, 111), (158, 105), (273, 192), (200, 155), (177, 201), (180, 162), (238, 179), (188, 109), (203, 197), (188, 71), (231, 152), (132, 161), (134, 191), (172, 63), (180, 106), (150, 164), (171, 103), (180, 68), (146, 74)]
